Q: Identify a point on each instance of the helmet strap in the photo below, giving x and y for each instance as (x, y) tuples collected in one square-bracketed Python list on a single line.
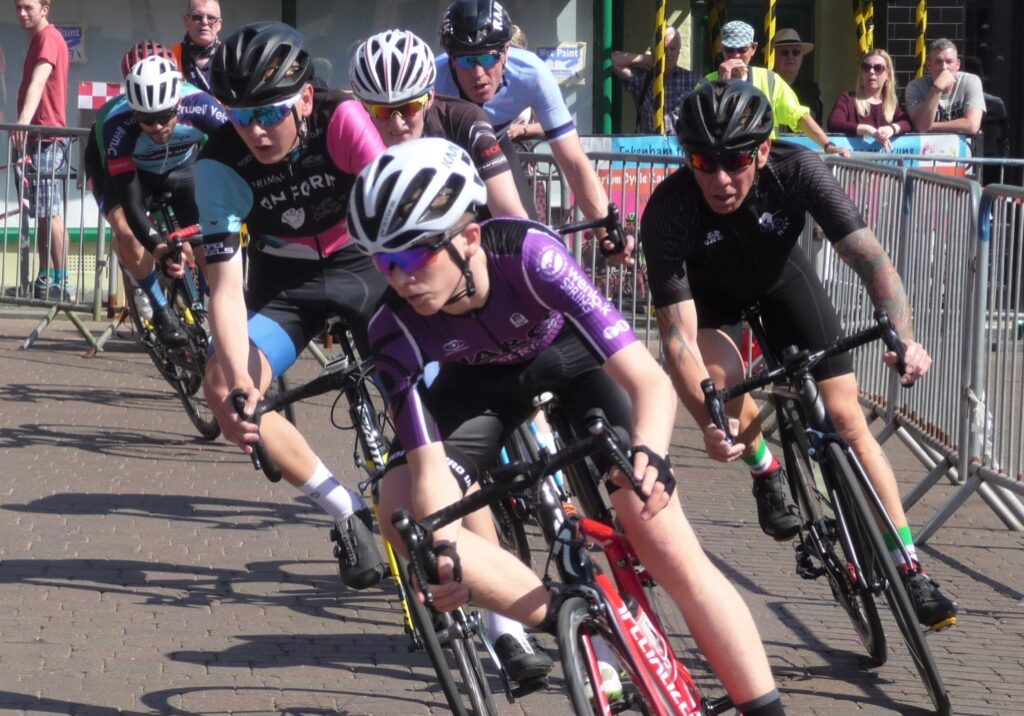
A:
[(301, 135), (463, 263)]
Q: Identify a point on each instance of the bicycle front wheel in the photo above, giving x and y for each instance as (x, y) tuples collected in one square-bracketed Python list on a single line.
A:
[(895, 591)]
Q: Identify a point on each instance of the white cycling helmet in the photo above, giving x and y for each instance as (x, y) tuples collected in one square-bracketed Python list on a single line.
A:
[(412, 194), (392, 67), (153, 85)]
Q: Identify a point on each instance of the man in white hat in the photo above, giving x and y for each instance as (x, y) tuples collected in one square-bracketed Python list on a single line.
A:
[(790, 51)]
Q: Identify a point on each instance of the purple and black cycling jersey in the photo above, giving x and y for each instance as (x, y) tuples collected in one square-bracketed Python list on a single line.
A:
[(536, 290)]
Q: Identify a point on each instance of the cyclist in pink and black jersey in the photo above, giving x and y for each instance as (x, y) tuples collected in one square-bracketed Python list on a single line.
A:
[(284, 167)]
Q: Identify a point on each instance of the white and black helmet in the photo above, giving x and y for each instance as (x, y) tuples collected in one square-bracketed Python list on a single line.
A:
[(392, 67), (412, 194), (153, 85)]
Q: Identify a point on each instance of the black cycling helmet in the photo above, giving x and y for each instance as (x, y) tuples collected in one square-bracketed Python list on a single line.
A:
[(475, 25), (725, 115), (260, 64)]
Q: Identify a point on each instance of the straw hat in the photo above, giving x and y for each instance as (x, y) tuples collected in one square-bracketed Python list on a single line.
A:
[(788, 36)]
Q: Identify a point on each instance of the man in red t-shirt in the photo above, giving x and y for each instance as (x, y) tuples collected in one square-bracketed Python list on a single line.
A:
[(42, 101)]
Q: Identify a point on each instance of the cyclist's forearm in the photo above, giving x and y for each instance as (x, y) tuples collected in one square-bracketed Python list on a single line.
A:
[(587, 190), (133, 204), (650, 392), (866, 256), (229, 320), (683, 359)]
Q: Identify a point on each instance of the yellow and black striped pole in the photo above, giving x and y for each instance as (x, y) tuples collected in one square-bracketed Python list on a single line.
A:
[(858, 23), (658, 93), (922, 26), (869, 25), (716, 18), (769, 36)]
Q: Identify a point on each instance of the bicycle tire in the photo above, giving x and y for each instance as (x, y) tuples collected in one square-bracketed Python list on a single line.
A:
[(190, 374), (857, 601), (895, 591), (146, 338), (582, 477)]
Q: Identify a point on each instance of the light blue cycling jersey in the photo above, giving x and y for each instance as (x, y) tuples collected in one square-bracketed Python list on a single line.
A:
[(526, 83)]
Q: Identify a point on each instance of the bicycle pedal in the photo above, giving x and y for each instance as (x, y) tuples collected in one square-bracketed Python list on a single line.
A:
[(944, 624)]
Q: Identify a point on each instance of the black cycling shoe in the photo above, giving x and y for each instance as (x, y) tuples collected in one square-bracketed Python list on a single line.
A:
[(359, 559), (525, 661), (934, 609), (776, 511), (167, 330)]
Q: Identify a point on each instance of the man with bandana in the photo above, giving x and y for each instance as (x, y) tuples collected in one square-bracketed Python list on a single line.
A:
[(193, 53)]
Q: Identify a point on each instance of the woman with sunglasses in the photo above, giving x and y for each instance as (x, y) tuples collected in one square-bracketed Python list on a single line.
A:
[(871, 110), (508, 314), (284, 166), (151, 138), (722, 234), (393, 74)]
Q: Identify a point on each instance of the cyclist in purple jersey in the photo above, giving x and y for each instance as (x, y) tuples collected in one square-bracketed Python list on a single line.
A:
[(393, 74), (508, 314), (284, 166)]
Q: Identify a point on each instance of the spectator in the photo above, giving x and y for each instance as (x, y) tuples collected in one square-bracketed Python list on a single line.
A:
[(42, 101), (202, 22), (738, 48), (638, 73), (948, 100), (790, 52), (872, 109)]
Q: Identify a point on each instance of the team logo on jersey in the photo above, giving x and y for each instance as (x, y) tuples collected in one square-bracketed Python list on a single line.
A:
[(713, 237), (553, 264), (454, 346), (771, 223), (294, 217), (518, 320), (617, 329)]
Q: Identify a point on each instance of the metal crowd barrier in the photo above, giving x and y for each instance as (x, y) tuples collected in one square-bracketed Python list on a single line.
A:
[(84, 258)]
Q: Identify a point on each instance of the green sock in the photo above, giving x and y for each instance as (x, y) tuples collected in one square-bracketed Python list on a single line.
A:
[(907, 538)]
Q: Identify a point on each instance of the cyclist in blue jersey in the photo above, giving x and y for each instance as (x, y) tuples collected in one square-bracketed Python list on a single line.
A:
[(508, 314), (283, 167), (151, 138), (393, 74), (479, 65)]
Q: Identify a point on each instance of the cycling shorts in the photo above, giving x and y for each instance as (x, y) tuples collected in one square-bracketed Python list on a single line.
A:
[(796, 310), (477, 407), (290, 300), (99, 183)]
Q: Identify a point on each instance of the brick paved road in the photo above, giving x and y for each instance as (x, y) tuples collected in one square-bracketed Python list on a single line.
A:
[(145, 571)]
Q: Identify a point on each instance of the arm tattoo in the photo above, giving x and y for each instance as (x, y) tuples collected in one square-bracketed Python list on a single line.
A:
[(866, 256)]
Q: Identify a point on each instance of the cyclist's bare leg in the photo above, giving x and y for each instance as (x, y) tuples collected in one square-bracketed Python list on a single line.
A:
[(725, 367), (840, 396), (718, 617)]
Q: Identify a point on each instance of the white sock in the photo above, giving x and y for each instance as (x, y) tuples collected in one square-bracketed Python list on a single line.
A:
[(334, 498), (498, 626)]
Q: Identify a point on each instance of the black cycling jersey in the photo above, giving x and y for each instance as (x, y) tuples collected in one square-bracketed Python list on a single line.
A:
[(739, 256)]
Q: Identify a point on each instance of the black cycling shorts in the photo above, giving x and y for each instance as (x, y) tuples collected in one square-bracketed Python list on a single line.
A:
[(477, 407), (796, 310), (100, 184)]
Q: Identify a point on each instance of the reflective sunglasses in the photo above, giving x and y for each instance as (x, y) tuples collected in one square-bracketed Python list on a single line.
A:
[(487, 60), (791, 53), (409, 109), (415, 258), (210, 19), (731, 162), (878, 68), (151, 119), (268, 115)]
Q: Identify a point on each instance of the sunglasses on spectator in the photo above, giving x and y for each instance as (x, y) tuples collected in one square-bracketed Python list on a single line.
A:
[(408, 109), (731, 162), (199, 17), (876, 68), (416, 258), (797, 52), (487, 60), (151, 119), (735, 50), (268, 115)]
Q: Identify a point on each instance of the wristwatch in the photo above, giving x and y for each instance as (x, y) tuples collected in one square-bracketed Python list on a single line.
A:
[(828, 144)]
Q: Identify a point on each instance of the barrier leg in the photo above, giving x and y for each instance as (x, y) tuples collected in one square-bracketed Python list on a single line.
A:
[(933, 476), (83, 329), (40, 327)]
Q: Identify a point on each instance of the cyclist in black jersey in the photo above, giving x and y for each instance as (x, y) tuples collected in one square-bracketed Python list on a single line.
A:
[(721, 234), (284, 166), (393, 74)]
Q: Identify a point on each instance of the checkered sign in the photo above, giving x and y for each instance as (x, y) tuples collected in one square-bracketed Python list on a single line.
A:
[(93, 95)]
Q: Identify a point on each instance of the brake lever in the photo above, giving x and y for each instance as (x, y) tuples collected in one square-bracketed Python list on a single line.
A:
[(716, 409), (616, 234), (261, 459)]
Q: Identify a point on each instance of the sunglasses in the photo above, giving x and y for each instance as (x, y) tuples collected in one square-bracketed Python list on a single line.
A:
[(735, 50), (487, 60), (151, 119), (210, 19), (269, 115), (409, 109), (416, 258), (791, 53), (876, 68), (731, 162)]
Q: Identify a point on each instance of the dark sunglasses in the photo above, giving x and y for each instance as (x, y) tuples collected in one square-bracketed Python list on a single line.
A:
[(487, 60), (409, 260), (877, 68), (269, 115), (735, 50), (151, 119), (199, 17), (711, 162), (409, 109), (791, 53)]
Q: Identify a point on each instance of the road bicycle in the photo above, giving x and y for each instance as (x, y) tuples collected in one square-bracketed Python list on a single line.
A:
[(449, 639), (843, 518), (591, 605), (182, 367)]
